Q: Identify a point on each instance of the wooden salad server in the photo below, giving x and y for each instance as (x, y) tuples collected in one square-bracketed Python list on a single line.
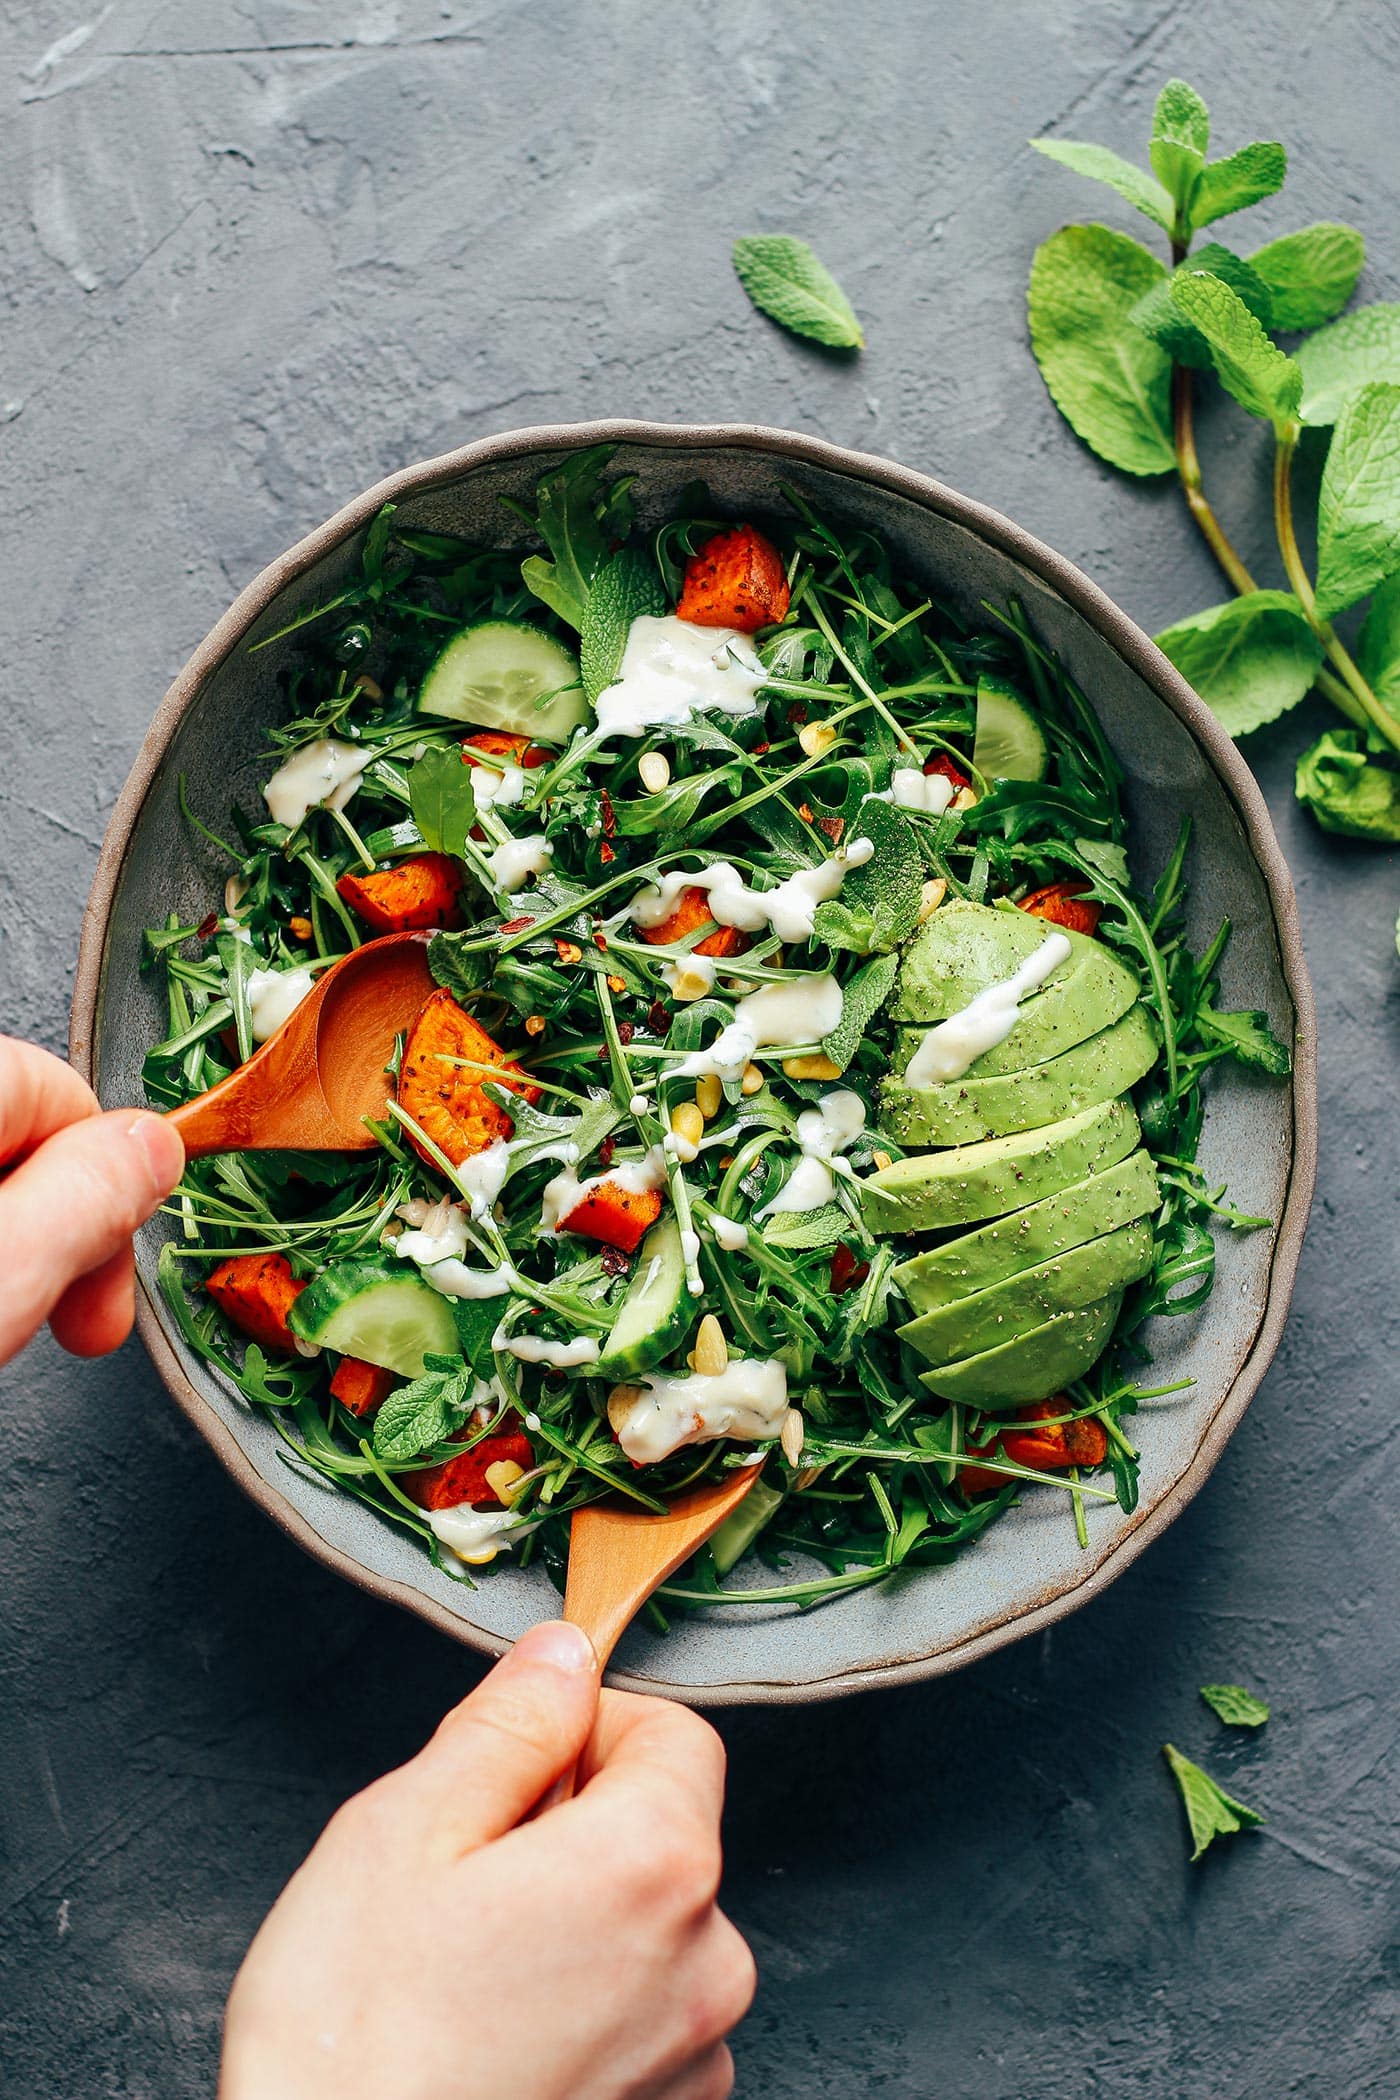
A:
[(618, 1556), (311, 1085)]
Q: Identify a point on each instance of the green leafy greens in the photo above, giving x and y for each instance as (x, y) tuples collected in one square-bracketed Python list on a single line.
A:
[(785, 280), (1211, 1813)]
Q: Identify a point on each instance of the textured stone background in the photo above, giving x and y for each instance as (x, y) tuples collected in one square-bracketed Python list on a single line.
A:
[(253, 257)]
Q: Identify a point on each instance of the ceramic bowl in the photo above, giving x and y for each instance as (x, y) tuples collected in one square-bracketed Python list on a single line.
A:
[(1260, 1135)]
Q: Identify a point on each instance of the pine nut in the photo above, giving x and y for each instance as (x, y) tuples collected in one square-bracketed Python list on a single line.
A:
[(931, 896), (654, 770), (534, 1024), (708, 1095), (793, 1435), (689, 982), (816, 738), (751, 1081), (501, 1478), (235, 890), (819, 1067), (621, 1401), (883, 1160), (964, 798), (370, 687), (688, 1123), (711, 1352)]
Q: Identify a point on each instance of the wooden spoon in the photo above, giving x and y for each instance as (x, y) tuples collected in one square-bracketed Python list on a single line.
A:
[(311, 1085), (618, 1556)]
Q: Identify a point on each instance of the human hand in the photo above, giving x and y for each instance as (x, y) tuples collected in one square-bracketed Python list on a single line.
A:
[(74, 1186), (435, 1946)]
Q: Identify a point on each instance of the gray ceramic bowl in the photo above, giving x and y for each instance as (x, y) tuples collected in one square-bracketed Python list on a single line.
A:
[(1260, 1136)]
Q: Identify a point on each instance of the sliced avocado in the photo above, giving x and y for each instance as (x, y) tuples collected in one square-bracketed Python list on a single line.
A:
[(1035, 1364), (964, 948), (1013, 1307), (969, 1109), (976, 1260), (970, 1182)]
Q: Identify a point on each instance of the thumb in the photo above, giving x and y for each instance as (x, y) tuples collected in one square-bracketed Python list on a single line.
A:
[(500, 1751)]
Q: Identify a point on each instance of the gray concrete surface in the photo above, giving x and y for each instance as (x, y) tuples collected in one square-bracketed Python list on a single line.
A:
[(256, 255)]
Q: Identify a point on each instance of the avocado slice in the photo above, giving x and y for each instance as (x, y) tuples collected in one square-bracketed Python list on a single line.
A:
[(965, 947), (975, 1261), (966, 1110), (1084, 1275), (1032, 1366), (970, 1182)]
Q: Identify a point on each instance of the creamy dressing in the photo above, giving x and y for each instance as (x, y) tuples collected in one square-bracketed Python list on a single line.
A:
[(782, 1015), (515, 860), (823, 1132), (912, 788), (326, 771), (533, 1349), (437, 1241), (789, 908), (747, 1400), (482, 1175), (474, 1535), (948, 1050), (670, 667), (728, 1233), (273, 995), (563, 1195), (497, 790)]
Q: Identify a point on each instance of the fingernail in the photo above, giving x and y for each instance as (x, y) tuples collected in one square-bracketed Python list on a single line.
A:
[(161, 1151), (558, 1646)]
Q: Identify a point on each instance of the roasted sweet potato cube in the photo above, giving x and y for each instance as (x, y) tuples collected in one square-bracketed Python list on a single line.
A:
[(692, 910), (409, 897), (737, 579), (256, 1292), (614, 1214), (447, 1099), (361, 1387)]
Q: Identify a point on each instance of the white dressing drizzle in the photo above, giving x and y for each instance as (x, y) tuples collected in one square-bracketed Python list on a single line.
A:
[(795, 1010), (515, 860), (563, 1195), (474, 1535), (437, 1242), (670, 667), (272, 996), (949, 1049), (533, 1349), (326, 771), (823, 1132), (729, 1233), (789, 908), (913, 789), (747, 1400), (497, 789)]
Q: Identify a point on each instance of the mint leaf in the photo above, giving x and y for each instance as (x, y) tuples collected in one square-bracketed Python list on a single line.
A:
[(1158, 315), (578, 522), (1250, 659), (1101, 165), (1241, 179), (463, 970), (1378, 644), (803, 1230), (424, 1413), (1109, 382), (861, 1000), (1180, 137), (880, 900), (1248, 1036), (785, 280), (1251, 368), (622, 591), (1311, 274), (1234, 1705), (1347, 792), (1210, 1811), (1338, 361), (1358, 512), (441, 799)]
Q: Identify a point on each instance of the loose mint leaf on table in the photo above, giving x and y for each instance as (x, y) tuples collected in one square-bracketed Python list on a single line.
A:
[(1180, 139), (1250, 659), (580, 523), (1109, 382), (880, 899), (1348, 792), (1241, 179), (622, 591), (441, 800), (1097, 162), (1251, 368), (1310, 274), (1158, 315), (1210, 1811), (861, 1000), (786, 281), (1249, 1038), (1378, 644), (1336, 362), (1234, 1705), (1358, 515), (424, 1412)]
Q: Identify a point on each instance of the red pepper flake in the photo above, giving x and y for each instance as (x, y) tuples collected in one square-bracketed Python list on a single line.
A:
[(625, 1031), (797, 713), (833, 827), (606, 853), (600, 940), (569, 952), (609, 814), (516, 925), (658, 1017), (615, 1262), (804, 810), (759, 750), (846, 1272), (207, 928), (606, 1151)]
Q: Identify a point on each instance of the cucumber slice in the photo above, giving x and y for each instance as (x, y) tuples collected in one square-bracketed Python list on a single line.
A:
[(742, 1526), (1010, 743), (378, 1309), (657, 1309), (506, 674)]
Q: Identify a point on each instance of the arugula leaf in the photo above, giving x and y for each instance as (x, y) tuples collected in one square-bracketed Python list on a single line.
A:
[(1234, 1705), (1348, 792), (236, 954), (425, 1412), (1241, 179), (1102, 165), (441, 800), (1250, 659), (1353, 352), (622, 591), (1105, 857), (861, 1000), (1249, 1037), (1210, 1811), (1159, 317), (1358, 515), (785, 280), (1310, 274), (577, 522), (1180, 137), (1378, 644), (880, 900), (1109, 381), (1251, 368)]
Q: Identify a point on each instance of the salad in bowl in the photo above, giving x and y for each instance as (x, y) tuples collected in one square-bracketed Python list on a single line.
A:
[(807, 1085)]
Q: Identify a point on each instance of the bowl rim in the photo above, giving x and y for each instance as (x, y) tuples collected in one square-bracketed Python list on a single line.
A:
[(1129, 642)]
